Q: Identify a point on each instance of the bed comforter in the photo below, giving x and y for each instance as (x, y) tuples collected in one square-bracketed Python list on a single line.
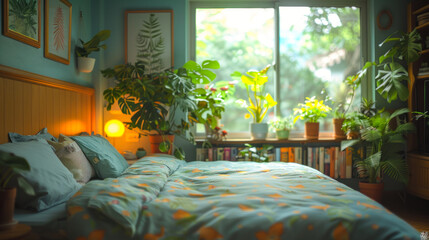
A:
[(161, 197)]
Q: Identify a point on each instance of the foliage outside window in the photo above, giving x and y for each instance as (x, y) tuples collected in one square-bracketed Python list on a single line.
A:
[(318, 48)]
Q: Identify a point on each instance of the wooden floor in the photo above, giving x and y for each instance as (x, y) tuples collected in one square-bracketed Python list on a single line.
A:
[(412, 209)]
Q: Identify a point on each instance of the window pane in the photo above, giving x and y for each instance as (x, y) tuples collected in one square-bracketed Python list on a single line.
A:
[(240, 39), (319, 48)]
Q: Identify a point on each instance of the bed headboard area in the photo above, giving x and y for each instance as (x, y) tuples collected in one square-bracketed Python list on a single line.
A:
[(30, 102)]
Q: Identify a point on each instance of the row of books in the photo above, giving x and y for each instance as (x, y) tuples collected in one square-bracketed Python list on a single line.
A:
[(328, 160)]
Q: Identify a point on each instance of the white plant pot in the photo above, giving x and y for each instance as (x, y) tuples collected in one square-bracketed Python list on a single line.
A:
[(259, 131), (85, 64)]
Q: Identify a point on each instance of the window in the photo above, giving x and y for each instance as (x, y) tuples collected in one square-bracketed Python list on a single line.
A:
[(316, 49)]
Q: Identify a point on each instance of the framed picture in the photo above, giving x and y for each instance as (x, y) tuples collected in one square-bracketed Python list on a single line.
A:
[(22, 21), (58, 18), (149, 38)]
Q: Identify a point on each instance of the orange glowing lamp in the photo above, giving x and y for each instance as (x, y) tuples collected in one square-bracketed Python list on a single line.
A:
[(114, 128)]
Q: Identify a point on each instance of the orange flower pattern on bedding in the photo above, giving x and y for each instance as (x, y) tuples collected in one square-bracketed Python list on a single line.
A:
[(160, 197)]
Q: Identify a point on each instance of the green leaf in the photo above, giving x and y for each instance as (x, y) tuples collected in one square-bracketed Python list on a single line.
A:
[(23, 184), (164, 146), (348, 143), (212, 64)]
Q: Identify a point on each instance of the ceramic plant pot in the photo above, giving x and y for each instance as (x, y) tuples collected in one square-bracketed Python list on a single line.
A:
[(311, 130), (85, 64), (7, 206), (140, 153), (156, 140), (259, 131), (372, 190), (338, 132), (282, 134)]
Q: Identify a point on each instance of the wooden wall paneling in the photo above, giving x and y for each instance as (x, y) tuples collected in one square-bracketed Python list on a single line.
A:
[(35, 107), (3, 132), (29, 102), (9, 111), (18, 107), (26, 108)]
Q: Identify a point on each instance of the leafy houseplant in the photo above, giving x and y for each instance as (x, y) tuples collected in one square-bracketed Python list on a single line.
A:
[(311, 111), (163, 102), (255, 154), (384, 146), (86, 64), (10, 165), (259, 102), (282, 127)]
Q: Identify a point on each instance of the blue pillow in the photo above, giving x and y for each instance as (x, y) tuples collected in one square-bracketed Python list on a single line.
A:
[(106, 160), (16, 137), (53, 183)]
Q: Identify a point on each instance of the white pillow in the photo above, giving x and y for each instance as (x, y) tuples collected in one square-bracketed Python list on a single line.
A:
[(73, 158)]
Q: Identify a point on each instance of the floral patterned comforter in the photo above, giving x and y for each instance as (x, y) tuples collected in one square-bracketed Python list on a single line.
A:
[(160, 197)]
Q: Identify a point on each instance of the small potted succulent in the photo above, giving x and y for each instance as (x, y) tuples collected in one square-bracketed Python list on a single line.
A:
[(282, 126), (86, 64), (258, 102), (10, 166), (311, 111)]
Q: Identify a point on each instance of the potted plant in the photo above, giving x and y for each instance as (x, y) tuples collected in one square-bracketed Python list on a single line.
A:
[(385, 150), (10, 165), (211, 104), (341, 107), (254, 154), (259, 101), (85, 63), (311, 111), (282, 127), (161, 105)]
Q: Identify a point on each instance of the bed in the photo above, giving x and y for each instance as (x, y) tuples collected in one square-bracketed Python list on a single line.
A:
[(160, 197)]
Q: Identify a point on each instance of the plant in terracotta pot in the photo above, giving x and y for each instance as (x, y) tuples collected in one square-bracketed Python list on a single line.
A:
[(311, 111), (282, 126), (85, 63), (10, 166), (258, 102), (385, 149), (162, 104)]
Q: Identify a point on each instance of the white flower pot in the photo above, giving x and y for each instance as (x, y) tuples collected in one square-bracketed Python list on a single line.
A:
[(259, 131), (85, 64)]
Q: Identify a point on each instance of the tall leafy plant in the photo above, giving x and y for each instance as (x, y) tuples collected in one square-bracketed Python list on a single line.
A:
[(151, 44), (92, 45), (10, 167), (384, 144), (258, 102)]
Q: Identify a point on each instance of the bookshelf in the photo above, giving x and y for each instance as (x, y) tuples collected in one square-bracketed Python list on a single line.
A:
[(418, 143), (323, 154)]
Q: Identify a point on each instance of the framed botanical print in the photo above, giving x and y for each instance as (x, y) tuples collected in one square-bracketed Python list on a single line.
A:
[(22, 20), (58, 18), (149, 38)]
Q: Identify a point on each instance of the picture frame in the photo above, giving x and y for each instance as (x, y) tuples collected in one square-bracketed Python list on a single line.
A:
[(18, 25), (58, 19), (140, 25)]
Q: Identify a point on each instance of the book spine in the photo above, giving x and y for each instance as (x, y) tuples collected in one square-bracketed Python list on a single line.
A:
[(227, 154), (234, 153), (337, 167), (310, 156), (298, 155), (332, 163), (219, 153), (210, 153), (284, 154), (322, 159), (349, 160), (291, 154)]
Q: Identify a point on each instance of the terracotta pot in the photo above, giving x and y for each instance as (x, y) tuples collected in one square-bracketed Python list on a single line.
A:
[(338, 132), (372, 190), (7, 205), (353, 135), (156, 140), (311, 130)]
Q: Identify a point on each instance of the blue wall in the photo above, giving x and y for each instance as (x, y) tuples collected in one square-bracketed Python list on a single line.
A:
[(22, 56), (113, 13)]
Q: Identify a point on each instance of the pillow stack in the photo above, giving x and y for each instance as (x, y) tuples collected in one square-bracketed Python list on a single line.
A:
[(56, 176)]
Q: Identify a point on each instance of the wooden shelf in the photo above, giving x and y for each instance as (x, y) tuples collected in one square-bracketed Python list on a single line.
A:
[(422, 26), (272, 141), (421, 10), (423, 76), (425, 51)]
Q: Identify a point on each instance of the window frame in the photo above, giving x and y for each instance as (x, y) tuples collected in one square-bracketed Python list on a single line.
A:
[(367, 86)]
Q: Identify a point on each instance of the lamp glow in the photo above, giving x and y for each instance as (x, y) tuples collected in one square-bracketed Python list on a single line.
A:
[(114, 128)]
